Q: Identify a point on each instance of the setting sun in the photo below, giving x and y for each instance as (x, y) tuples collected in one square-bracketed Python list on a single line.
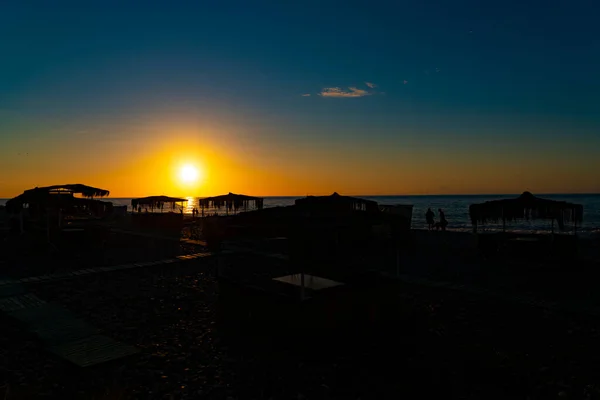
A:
[(188, 174)]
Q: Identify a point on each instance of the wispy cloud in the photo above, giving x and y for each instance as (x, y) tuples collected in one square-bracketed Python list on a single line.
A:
[(339, 92), (350, 92), (405, 81)]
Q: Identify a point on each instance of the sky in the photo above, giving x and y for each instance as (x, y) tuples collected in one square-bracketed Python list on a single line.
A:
[(294, 98)]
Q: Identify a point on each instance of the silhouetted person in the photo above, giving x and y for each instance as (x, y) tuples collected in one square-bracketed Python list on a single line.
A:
[(443, 221), (429, 217)]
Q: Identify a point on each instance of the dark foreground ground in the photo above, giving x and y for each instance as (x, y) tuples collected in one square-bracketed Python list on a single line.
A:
[(22, 257), (447, 345)]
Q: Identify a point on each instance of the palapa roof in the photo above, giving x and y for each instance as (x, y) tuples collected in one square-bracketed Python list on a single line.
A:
[(57, 196), (526, 206), (73, 188), (232, 201), (154, 201), (338, 202)]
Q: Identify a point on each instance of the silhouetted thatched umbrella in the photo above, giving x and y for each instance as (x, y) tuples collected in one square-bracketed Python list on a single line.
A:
[(231, 201), (54, 196), (528, 207), (76, 188), (335, 202), (156, 201)]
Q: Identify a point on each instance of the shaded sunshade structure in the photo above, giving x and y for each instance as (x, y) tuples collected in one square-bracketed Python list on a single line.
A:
[(332, 234), (336, 203), (526, 207), (47, 205), (329, 288), (231, 202), (169, 223), (61, 197), (156, 202)]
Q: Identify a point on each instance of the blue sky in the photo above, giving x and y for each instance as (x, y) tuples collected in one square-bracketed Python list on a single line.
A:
[(486, 78)]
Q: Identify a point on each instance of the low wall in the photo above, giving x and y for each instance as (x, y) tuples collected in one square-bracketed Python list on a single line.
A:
[(164, 222)]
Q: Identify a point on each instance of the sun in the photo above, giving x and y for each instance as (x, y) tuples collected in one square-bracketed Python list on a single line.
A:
[(188, 174)]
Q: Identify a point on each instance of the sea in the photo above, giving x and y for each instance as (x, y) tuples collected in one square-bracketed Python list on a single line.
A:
[(456, 208)]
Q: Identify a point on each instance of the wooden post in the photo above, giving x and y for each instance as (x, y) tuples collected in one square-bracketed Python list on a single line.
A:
[(48, 224), (218, 267), (397, 261)]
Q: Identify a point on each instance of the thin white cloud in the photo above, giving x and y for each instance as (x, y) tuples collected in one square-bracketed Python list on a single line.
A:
[(405, 81), (306, 95), (339, 92), (371, 85)]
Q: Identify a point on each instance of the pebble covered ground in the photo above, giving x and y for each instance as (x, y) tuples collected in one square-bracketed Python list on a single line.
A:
[(446, 344)]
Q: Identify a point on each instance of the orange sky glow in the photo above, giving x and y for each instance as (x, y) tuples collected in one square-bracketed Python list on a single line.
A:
[(232, 158), (141, 170)]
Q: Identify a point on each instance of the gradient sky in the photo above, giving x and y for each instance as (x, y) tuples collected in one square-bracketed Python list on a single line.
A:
[(291, 98)]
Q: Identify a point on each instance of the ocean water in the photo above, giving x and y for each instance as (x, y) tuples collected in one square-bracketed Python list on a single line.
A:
[(456, 208)]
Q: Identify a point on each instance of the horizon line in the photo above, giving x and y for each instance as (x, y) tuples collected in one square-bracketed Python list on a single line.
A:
[(378, 195)]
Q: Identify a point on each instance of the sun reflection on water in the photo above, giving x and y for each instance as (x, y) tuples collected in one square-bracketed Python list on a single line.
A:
[(191, 203)]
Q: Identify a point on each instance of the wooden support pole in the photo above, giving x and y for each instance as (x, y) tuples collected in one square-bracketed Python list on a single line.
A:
[(397, 261), (302, 285), (48, 224)]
